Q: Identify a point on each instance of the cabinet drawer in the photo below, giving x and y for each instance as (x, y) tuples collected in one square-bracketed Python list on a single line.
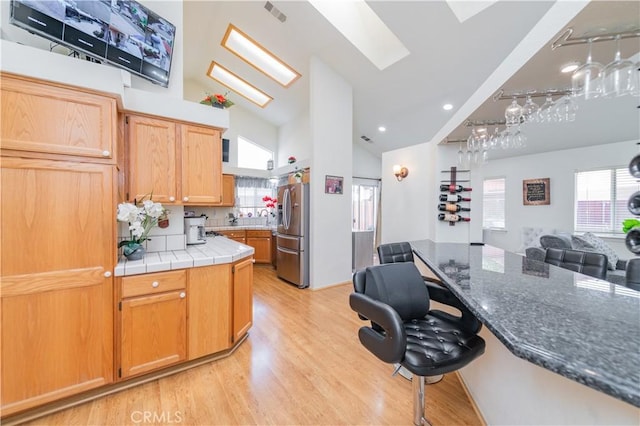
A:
[(234, 234), (153, 283), (258, 233)]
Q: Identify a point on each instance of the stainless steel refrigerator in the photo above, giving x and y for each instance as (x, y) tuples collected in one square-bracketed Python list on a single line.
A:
[(292, 240)]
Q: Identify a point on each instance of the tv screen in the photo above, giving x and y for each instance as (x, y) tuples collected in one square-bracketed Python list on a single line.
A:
[(120, 32)]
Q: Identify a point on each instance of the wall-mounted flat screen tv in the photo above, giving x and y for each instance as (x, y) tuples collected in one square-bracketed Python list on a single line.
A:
[(120, 32)]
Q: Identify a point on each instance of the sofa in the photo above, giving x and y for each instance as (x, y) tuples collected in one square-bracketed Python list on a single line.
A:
[(617, 268)]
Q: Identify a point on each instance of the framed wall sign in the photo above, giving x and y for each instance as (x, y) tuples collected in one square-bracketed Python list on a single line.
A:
[(333, 184), (535, 192)]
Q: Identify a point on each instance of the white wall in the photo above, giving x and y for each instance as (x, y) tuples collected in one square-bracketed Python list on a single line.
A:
[(366, 164), (331, 124), (170, 10), (294, 139), (408, 206), (560, 167)]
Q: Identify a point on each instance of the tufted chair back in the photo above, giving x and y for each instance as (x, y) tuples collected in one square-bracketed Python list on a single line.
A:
[(395, 252), (588, 263), (395, 299)]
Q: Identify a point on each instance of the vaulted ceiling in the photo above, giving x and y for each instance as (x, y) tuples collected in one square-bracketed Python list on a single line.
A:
[(450, 58)]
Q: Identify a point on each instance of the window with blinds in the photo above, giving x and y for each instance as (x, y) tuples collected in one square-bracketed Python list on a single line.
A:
[(601, 199), (493, 192)]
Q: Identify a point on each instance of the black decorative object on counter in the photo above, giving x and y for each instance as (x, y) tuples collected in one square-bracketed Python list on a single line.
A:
[(632, 240)]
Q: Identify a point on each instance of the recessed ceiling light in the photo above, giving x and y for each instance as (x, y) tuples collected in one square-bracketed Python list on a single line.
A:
[(258, 57), (569, 67), (447, 107), (382, 129), (238, 85)]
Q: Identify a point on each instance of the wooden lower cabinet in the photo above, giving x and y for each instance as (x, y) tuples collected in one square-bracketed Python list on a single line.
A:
[(56, 298), (242, 298), (153, 322), (209, 310), (260, 240)]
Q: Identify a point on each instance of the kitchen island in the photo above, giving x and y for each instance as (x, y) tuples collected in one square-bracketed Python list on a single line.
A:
[(581, 329)]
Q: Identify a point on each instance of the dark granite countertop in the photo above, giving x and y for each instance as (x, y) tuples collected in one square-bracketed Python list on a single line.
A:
[(582, 328)]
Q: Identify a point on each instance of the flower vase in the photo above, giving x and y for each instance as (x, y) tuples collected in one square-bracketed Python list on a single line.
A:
[(216, 105), (133, 251)]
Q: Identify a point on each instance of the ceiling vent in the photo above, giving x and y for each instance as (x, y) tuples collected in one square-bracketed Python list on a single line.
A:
[(366, 139), (275, 11)]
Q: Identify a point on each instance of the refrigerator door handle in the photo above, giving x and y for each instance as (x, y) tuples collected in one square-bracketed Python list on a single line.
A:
[(284, 250), (287, 209)]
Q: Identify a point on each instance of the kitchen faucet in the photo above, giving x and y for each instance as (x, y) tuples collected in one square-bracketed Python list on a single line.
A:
[(266, 214)]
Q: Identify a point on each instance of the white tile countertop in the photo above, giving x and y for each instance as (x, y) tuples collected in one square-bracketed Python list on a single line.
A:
[(217, 250), (241, 227)]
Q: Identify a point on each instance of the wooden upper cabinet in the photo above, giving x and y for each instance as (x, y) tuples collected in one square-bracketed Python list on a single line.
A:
[(228, 190), (201, 165), (152, 159), (40, 119), (179, 163)]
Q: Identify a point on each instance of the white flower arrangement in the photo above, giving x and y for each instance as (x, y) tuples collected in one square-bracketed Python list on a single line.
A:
[(142, 218)]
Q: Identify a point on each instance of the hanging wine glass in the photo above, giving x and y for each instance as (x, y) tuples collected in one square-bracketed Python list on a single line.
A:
[(585, 79), (634, 88), (617, 76), (460, 156), (565, 109), (513, 113), (530, 110), (546, 113)]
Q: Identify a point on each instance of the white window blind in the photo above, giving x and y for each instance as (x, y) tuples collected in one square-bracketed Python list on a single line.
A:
[(493, 192), (601, 199)]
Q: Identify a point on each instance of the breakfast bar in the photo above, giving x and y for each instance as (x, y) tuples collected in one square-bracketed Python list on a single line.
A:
[(581, 328)]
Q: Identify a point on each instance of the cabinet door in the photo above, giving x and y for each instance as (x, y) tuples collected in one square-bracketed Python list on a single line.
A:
[(152, 159), (242, 298), (153, 332), (45, 118), (262, 248), (209, 307), (57, 244), (228, 190), (201, 165)]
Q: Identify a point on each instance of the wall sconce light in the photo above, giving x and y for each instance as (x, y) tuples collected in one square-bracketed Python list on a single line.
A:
[(400, 172)]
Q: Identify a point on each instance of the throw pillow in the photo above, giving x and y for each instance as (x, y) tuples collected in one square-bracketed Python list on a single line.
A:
[(579, 243), (601, 247)]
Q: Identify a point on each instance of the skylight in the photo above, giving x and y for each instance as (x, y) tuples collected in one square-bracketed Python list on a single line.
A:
[(238, 85), (364, 29), (257, 56)]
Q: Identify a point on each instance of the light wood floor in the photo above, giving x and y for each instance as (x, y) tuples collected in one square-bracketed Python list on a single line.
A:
[(302, 364)]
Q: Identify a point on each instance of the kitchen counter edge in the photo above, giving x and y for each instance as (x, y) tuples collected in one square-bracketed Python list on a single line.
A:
[(216, 251)]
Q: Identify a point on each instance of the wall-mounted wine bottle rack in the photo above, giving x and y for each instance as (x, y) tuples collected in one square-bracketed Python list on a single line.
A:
[(452, 186)]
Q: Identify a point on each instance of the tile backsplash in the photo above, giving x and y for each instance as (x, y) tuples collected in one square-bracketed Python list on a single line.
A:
[(173, 238)]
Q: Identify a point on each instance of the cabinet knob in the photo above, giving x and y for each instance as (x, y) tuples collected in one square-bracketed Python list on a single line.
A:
[(106, 153), (155, 284), (185, 199), (172, 199), (183, 295), (107, 274)]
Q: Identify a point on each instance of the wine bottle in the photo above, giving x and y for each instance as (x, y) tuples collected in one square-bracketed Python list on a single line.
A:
[(453, 188), (449, 207), (453, 217), (453, 198)]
